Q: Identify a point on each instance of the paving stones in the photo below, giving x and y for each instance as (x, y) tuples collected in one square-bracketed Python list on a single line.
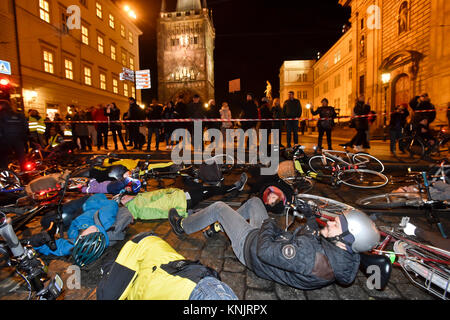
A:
[(236, 281), (326, 293), (233, 265), (253, 281), (288, 293), (253, 294)]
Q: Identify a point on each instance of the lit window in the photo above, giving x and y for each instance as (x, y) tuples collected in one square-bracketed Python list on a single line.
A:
[(87, 76), (111, 21), (113, 52), (130, 37), (133, 92), (125, 89), (102, 81), (48, 61), (44, 10), (131, 63), (122, 31), (124, 59), (100, 44), (84, 35), (115, 86), (68, 66), (98, 7), (305, 94)]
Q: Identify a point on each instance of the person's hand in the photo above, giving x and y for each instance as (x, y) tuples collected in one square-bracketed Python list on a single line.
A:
[(409, 229), (304, 208), (89, 230)]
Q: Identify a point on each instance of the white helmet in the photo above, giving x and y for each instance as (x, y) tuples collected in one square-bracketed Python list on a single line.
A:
[(359, 233)]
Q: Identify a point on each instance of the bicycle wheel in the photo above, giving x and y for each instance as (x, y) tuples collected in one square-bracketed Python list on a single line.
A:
[(326, 206), (319, 164), (366, 161), (362, 178), (442, 151), (411, 150), (9, 181), (390, 200)]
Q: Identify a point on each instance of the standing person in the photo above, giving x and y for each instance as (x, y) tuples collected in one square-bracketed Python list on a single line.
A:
[(396, 125), (13, 134), (58, 124), (277, 113), (265, 114), (249, 111), (167, 114), (102, 127), (327, 114), (423, 109), (213, 113), (113, 114), (292, 108), (361, 124), (195, 109), (81, 131), (181, 111), (225, 115), (128, 138), (36, 127), (91, 126), (73, 116), (135, 113), (153, 112)]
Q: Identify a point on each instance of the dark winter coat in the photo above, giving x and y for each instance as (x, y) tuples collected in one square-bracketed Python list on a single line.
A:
[(292, 108), (13, 126), (328, 113), (360, 109), (249, 111)]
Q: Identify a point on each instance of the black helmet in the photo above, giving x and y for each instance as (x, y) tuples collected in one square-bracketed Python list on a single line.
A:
[(117, 172)]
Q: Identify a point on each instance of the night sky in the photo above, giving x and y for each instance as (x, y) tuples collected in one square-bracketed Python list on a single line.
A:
[(253, 38)]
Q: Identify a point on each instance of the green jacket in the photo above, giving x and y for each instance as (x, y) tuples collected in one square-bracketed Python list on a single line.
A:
[(156, 204)]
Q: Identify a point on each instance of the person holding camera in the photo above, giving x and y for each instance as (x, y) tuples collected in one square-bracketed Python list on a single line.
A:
[(325, 124), (309, 258)]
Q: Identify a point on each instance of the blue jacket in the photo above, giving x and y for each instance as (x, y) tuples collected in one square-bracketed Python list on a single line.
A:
[(107, 212)]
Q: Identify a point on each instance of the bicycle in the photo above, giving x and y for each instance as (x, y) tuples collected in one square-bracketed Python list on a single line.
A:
[(337, 170), (415, 258)]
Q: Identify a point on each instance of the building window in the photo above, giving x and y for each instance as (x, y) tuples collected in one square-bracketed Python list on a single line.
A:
[(111, 21), (44, 10), (131, 63), (305, 94), (64, 18), (337, 57), (337, 81), (124, 59), (125, 89), (403, 17), (305, 77), (325, 66), (98, 10), (88, 76), (100, 44), (113, 52), (362, 85), (122, 31), (102, 81), (133, 92), (48, 62), (84, 35), (68, 66), (115, 86), (362, 23), (130, 37), (325, 87)]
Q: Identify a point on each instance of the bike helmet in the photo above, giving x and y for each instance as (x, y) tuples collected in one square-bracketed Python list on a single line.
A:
[(88, 248), (135, 185), (117, 172), (286, 169), (359, 233)]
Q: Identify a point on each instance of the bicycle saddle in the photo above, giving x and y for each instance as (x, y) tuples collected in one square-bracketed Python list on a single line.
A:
[(380, 261)]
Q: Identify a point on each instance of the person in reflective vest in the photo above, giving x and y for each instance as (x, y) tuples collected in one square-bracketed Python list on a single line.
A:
[(36, 126), (55, 139)]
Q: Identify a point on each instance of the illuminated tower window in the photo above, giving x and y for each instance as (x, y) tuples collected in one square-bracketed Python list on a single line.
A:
[(48, 62), (44, 10)]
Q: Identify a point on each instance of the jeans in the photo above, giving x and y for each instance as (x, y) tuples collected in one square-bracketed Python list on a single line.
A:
[(117, 131), (291, 126), (102, 135), (233, 222), (395, 135), (152, 130), (210, 288), (321, 132)]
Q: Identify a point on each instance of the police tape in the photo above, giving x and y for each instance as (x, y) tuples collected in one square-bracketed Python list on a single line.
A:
[(373, 115)]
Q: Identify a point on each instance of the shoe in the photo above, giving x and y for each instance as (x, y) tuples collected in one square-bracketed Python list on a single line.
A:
[(242, 181), (175, 222), (212, 230)]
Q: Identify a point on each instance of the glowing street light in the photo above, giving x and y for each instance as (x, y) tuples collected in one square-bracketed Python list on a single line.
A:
[(385, 79), (130, 12)]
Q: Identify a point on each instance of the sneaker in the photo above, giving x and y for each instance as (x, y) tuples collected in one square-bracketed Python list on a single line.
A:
[(212, 230), (242, 181), (175, 222)]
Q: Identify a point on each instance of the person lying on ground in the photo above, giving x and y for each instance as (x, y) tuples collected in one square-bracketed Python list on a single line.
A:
[(439, 190), (91, 223), (156, 204), (125, 184), (309, 258), (148, 268)]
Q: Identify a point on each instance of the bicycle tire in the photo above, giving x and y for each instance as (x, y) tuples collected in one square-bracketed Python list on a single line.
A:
[(9, 181), (362, 178), (412, 150), (316, 164), (388, 200), (374, 165), (442, 152), (328, 207)]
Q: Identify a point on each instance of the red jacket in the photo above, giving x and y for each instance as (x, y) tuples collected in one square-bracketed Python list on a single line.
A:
[(99, 115)]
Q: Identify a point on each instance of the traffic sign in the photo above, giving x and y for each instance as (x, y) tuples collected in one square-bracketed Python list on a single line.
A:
[(127, 74), (143, 80), (5, 67)]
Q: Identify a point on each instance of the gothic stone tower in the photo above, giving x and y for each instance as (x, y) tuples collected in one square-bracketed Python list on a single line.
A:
[(185, 51)]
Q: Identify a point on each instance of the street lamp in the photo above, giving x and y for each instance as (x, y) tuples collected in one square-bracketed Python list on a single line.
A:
[(308, 106), (130, 12), (385, 79)]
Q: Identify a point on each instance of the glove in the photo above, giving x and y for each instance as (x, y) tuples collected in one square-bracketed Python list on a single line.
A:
[(409, 229), (304, 208)]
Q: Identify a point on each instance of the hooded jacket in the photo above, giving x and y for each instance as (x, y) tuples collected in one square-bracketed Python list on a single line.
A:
[(304, 261), (98, 211)]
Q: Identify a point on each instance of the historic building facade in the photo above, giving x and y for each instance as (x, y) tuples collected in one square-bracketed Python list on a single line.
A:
[(186, 51), (393, 51), (56, 63)]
